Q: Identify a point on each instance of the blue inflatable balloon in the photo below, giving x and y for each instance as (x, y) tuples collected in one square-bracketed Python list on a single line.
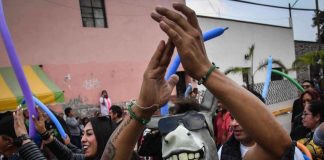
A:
[(268, 78), (176, 62), (188, 90), (51, 116)]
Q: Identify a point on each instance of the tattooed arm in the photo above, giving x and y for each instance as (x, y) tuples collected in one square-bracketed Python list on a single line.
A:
[(154, 90)]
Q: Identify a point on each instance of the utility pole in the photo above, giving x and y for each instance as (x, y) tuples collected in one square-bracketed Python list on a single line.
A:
[(290, 18), (318, 26)]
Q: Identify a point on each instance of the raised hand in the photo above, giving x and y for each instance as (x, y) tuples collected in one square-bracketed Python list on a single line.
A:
[(187, 37), (155, 89), (19, 124), (40, 122)]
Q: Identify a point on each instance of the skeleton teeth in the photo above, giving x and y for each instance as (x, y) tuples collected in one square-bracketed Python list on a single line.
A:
[(174, 157), (197, 155), (191, 156), (183, 156)]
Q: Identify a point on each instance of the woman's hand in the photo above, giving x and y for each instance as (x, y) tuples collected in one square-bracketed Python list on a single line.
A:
[(40, 122), (19, 124), (155, 89)]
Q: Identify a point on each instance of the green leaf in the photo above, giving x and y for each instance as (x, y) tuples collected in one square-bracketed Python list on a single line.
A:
[(237, 70)]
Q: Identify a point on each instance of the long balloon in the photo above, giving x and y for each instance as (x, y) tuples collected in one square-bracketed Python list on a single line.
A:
[(14, 60), (50, 115), (176, 61), (290, 79), (188, 90), (268, 78)]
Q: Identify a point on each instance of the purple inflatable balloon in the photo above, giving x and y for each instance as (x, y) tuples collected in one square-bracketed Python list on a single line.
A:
[(14, 60)]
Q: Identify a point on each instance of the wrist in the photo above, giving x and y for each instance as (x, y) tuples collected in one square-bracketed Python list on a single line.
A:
[(21, 140), (139, 113), (42, 131), (207, 74), (26, 141), (21, 134), (45, 135), (49, 140), (146, 109), (202, 70)]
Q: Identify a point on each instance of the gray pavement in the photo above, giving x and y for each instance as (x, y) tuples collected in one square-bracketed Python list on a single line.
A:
[(284, 119)]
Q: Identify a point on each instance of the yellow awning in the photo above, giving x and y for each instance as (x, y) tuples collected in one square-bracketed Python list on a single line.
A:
[(42, 87)]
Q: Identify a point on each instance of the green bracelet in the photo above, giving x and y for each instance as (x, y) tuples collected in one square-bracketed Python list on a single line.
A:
[(205, 77), (133, 115)]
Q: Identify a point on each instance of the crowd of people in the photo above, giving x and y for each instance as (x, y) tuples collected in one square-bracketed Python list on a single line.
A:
[(242, 129)]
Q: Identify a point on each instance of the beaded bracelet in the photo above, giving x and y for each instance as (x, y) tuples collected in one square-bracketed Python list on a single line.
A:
[(134, 116), (46, 135), (205, 77)]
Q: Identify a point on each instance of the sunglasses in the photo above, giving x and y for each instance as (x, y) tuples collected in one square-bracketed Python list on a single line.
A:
[(192, 120)]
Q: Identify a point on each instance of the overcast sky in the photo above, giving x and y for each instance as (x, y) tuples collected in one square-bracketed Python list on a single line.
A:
[(302, 20)]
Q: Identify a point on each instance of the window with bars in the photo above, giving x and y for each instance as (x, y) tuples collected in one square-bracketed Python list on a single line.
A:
[(93, 13)]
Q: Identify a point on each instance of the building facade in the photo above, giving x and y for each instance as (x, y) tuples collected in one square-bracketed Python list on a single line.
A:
[(86, 46)]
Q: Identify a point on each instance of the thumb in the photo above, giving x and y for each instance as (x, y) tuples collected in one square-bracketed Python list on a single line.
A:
[(173, 81)]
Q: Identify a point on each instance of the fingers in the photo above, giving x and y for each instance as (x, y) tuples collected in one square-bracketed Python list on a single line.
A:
[(167, 54), (189, 13), (156, 17), (170, 23), (173, 81), (174, 36), (19, 113), (18, 116), (40, 114), (175, 17), (154, 62)]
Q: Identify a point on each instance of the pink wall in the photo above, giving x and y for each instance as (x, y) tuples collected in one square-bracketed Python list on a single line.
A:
[(83, 61)]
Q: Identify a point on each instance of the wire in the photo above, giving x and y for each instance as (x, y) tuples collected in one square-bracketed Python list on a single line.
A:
[(280, 7), (294, 3)]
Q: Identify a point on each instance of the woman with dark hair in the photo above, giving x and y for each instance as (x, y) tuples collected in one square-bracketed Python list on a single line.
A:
[(96, 134), (313, 116), (298, 130)]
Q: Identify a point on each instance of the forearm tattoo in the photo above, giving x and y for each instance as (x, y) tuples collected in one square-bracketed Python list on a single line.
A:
[(110, 149)]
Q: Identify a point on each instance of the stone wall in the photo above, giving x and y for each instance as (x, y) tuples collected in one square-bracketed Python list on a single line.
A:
[(302, 47), (279, 91)]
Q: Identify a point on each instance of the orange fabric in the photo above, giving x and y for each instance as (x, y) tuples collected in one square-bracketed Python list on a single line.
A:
[(304, 150)]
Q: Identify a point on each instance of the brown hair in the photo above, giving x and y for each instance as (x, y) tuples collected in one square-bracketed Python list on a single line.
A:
[(312, 92)]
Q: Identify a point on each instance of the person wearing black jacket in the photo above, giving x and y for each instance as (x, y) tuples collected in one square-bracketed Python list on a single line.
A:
[(96, 134), (14, 141)]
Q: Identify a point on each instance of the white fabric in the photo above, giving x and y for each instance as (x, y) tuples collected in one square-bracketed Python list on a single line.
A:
[(297, 156), (220, 152), (243, 150), (104, 108)]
